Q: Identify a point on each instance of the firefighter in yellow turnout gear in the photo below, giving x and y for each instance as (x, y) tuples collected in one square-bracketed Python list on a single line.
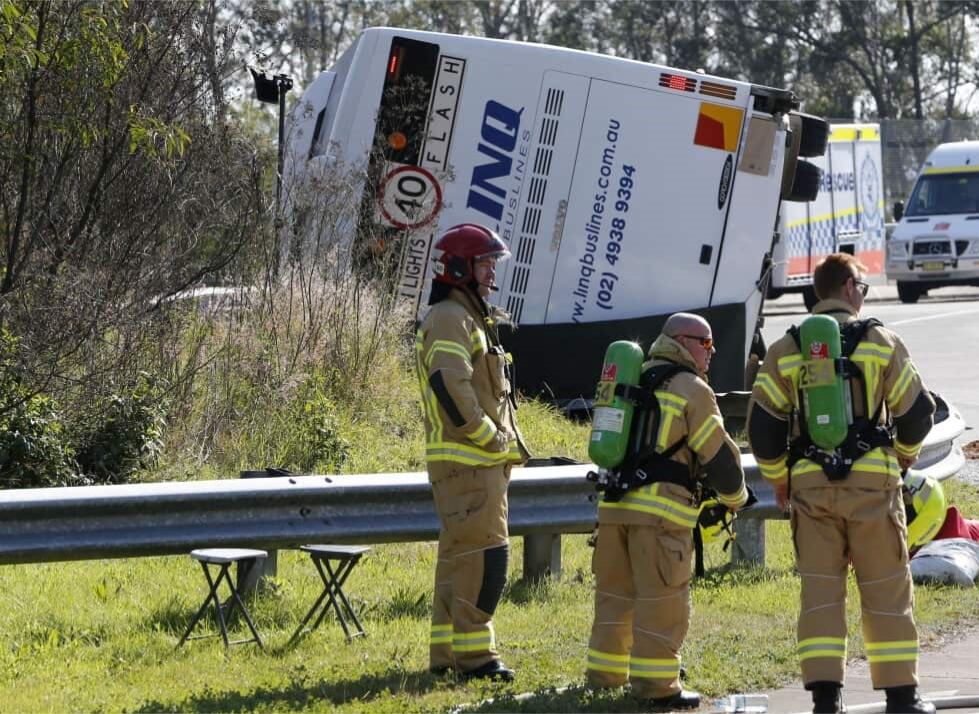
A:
[(841, 515), (642, 561), (472, 443)]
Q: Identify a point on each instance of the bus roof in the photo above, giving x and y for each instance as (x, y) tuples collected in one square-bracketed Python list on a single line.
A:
[(538, 48)]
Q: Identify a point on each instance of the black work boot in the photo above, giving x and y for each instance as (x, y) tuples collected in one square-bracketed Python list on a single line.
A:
[(827, 698), (684, 699), (493, 670), (905, 700)]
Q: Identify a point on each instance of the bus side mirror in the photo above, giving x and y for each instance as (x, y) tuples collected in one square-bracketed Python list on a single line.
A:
[(898, 210)]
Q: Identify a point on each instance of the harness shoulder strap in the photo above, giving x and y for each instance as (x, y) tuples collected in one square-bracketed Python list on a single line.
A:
[(633, 465), (653, 377), (643, 395), (794, 331), (650, 381), (852, 333)]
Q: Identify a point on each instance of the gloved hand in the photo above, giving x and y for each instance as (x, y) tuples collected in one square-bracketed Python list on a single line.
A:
[(500, 442)]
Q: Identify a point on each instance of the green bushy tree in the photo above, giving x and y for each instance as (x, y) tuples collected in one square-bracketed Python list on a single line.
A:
[(34, 447), (127, 432)]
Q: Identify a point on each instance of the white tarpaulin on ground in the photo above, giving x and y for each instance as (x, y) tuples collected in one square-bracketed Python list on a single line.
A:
[(950, 560)]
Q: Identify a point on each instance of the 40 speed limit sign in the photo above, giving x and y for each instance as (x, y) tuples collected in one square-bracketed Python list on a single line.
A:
[(410, 197)]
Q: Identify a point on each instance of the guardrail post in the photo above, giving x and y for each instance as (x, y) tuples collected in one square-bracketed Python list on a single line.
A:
[(542, 551), (250, 575), (749, 546), (541, 556)]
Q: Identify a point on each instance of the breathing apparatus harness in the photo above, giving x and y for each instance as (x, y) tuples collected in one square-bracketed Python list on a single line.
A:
[(646, 465), (863, 434)]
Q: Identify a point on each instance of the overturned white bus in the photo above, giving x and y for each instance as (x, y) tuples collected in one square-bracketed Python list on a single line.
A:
[(625, 190)]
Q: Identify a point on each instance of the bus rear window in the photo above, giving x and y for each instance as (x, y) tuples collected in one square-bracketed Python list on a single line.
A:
[(409, 76)]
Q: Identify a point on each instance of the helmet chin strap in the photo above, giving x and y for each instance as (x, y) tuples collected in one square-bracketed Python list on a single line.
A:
[(479, 302)]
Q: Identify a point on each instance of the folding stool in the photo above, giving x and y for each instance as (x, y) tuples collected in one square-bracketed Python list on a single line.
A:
[(223, 558), (346, 557)]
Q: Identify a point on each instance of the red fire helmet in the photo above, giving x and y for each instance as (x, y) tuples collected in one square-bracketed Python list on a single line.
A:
[(461, 246)]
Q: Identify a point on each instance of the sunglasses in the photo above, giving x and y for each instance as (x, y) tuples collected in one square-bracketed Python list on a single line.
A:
[(861, 286), (705, 342)]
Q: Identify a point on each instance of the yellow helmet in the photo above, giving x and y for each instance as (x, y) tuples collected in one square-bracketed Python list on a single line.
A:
[(715, 521), (924, 504)]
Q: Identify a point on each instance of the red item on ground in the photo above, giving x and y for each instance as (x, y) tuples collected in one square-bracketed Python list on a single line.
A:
[(955, 526)]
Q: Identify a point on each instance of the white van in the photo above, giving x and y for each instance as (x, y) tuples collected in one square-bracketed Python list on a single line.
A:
[(846, 217), (625, 190), (936, 240)]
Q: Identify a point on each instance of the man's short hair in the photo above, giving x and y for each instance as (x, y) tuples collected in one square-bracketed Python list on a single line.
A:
[(832, 273)]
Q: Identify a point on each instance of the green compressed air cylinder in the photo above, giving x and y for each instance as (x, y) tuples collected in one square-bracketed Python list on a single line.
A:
[(612, 419), (824, 390)]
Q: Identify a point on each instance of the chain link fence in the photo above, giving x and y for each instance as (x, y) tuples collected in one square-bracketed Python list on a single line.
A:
[(906, 143)]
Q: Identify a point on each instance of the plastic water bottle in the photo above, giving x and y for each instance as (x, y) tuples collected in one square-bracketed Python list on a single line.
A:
[(744, 703)]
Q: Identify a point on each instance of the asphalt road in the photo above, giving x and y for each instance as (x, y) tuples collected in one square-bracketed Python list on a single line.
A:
[(941, 331)]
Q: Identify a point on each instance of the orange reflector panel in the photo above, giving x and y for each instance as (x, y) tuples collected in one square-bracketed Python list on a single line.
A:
[(718, 127)]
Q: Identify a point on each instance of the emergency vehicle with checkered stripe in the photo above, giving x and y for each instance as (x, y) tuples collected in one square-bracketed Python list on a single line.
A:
[(846, 217)]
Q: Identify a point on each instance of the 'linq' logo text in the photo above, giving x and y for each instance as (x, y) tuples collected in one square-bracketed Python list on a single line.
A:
[(499, 132)]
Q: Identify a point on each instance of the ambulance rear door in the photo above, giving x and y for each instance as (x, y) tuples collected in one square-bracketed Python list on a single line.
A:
[(846, 225), (870, 201)]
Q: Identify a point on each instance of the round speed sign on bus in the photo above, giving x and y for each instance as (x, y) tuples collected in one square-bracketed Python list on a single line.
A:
[(410, 197)]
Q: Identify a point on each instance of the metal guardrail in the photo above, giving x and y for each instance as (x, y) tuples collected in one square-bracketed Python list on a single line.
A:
[(80, 523)]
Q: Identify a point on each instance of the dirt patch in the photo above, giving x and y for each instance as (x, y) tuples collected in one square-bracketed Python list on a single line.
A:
[(971, 450)]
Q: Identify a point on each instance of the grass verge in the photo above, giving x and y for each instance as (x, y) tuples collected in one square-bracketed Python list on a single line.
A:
[(101, 635)]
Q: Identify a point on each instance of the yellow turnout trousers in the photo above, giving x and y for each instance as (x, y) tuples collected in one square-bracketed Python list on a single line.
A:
[(835, 524), (473, 556), (642, 606)]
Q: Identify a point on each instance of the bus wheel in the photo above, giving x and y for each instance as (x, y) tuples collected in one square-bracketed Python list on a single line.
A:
[(815, 135), (809, 297), (908, 292), (805, 183)]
